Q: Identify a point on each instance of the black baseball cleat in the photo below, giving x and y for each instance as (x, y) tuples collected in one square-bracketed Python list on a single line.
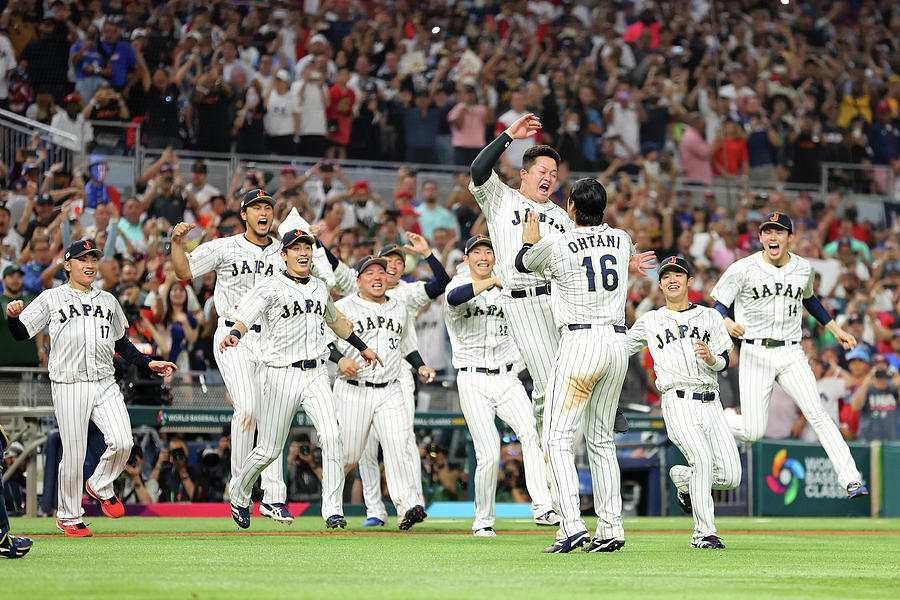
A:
[(684, 501), (414, 515), (241, 515), (561, 546), (14, 547), (621, 424), (598, 545), (335, 521), (709, 541)]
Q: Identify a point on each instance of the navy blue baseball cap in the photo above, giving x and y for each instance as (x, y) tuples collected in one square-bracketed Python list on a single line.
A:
[(83, 248), (392, 249), (674, 262), (777, 219), (367, 261), (297, 235), (254, 196), (478, 239)]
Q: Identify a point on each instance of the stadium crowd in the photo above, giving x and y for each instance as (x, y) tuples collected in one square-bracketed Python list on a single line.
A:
[(666, 103)]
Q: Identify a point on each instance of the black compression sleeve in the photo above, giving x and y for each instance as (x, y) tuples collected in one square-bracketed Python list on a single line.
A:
[(484, 162), (126, 350), (18, 329), (520, 259), (461, 294), (355, 341), (815, 308), (727, 360), (438, 284), (335, 354), (332, 259), (415, 359)]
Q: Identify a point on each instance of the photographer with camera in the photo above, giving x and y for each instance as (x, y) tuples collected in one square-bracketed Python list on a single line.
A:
[(172, 480), (130, 485), (876, 400), (304, 470), (445, 483)]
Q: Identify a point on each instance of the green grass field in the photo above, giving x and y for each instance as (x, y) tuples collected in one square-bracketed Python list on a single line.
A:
[(210, 558)]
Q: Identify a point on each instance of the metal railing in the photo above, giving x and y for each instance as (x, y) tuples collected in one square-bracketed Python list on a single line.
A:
[(17, 132)]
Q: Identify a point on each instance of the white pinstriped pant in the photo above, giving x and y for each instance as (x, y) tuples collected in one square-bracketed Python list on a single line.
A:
[(699, 430), (243, 374), (483, 397), (287, 390), (363, 409), (760, 368), (75, 404), (531, 325), (584, 389), (370, 472)]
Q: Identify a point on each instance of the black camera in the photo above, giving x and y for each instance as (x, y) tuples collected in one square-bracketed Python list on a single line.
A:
[(881, 373), (304, 449), (210, 458), (132, 312), (178, 454), (317, 457)]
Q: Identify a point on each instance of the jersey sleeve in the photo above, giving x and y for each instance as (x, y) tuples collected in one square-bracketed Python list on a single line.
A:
[(36, 315), (250, 308), (205, 258), (489, 194), (120, 322), (415, 296), (537, 258), (729, 285), (455, 283), (808, 290), (330, 310), (720, 341), (345, 280), (636, 338)]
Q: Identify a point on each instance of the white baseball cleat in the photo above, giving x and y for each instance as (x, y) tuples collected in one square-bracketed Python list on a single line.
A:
[(485, 532), (549, 518), (276, 511)]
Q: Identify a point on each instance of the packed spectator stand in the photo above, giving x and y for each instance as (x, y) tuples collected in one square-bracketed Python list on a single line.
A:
[(122, 118)]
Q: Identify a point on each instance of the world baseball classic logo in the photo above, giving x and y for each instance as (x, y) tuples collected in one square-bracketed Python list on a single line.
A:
[(786, 476)]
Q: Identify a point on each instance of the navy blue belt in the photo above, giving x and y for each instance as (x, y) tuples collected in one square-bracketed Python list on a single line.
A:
[(256, 328), (306, 365), (368, 384), (540, 290), (577, 326), (497, 371), (701, 396), (770, 343)]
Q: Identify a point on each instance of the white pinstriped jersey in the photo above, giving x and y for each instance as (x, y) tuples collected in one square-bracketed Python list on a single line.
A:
[(479, 334), (589, 269), (84, 328), (384, 327), (670, 336), (505, 208), (768, 300), (412, 294), (292, 316)]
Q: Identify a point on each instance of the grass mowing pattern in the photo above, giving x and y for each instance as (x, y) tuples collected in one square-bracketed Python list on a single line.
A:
[(657, 561)]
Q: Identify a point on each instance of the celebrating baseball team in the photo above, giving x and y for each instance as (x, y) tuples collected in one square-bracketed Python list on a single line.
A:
[(547, 288)]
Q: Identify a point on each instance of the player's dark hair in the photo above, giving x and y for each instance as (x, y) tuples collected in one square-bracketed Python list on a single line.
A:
[(589, 197), (531, 155)]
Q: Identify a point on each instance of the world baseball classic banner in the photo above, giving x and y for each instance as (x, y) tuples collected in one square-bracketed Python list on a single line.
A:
[(796, 479)]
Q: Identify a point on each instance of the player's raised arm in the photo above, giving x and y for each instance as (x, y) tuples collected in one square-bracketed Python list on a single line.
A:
[(636, 338), (526, 126), (179, 255), (438, 283)]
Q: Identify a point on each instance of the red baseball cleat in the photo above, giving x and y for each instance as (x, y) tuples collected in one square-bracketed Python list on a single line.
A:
[(111, 507), (76, 530)]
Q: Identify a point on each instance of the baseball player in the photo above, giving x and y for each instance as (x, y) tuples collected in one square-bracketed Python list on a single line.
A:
[(588, 266), (240, 262), (769, 290), (11, 546), (293, 310), (373, 398), (87, 326), (415, 295), (690, 345), (489, 387), (525, 301)]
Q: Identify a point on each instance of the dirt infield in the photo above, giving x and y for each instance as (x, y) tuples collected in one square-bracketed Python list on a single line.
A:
[(467, 532)]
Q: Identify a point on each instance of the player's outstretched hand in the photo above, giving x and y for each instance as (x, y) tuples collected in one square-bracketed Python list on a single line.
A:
[(162, 367), (735, 330), (371, 358), (348, 366), (531, 233), (418, 244), (426, 373), (640, 262), (180, 231), (702, 351), (14, 309), (525, 126), (318, 228), (228, 342), (846, 340)]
